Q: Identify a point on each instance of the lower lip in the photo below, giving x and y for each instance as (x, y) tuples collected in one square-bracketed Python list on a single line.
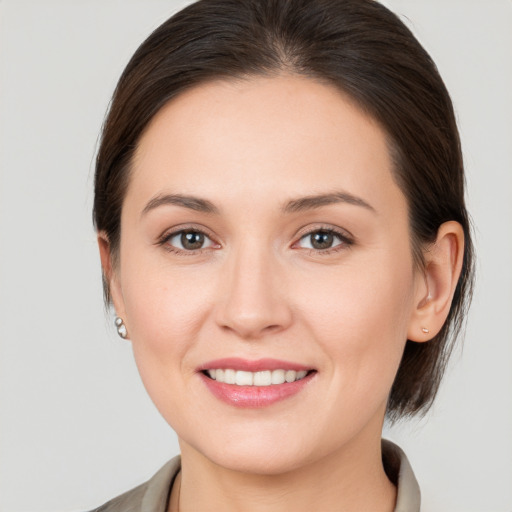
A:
[(255, 397)]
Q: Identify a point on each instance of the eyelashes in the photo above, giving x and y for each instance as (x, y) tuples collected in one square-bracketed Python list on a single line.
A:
[(321, 240), (324, 240), (188, 241)]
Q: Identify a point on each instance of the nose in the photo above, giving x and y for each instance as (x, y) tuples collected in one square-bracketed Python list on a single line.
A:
[(254, 295)]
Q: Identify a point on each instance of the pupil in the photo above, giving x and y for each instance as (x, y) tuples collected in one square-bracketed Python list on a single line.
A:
[(322, 240), (192, 240)]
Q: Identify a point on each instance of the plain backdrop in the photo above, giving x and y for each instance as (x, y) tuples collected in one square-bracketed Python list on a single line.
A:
[(76, 425)]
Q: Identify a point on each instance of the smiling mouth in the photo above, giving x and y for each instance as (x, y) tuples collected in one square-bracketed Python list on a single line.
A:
[(256, 379), (254, 384)]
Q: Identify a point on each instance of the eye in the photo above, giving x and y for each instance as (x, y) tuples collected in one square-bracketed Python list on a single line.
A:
[(322, 239), (189, 240)]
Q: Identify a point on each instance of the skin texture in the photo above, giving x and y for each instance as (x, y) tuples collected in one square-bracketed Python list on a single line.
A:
[(258, 290)]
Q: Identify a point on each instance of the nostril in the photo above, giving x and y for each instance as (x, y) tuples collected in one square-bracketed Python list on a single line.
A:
[(274, 327)]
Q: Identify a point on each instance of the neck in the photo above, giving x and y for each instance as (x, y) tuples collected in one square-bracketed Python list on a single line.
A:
[(351, 479)]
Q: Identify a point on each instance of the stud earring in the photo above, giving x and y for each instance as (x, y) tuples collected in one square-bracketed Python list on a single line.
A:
[(425, 330), (121, 328)]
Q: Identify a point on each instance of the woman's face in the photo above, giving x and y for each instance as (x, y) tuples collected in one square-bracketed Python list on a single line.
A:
[(263, 235)]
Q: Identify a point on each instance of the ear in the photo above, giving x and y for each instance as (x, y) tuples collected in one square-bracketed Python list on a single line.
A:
[(437, 283), (110, 273)]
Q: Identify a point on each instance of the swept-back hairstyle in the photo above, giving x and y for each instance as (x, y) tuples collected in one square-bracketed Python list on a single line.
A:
[(365, 51)]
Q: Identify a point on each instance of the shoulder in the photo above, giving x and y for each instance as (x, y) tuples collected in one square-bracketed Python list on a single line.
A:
[(130, 501), (400, 472), (151, 496)]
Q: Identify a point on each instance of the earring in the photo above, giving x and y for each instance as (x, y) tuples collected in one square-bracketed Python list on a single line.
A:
[(121, 328), (425, 330)]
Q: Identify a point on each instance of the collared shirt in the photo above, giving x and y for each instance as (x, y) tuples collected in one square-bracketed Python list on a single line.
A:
[(153, 496)]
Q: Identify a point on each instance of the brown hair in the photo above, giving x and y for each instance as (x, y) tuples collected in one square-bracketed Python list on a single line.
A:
[(364, 50)]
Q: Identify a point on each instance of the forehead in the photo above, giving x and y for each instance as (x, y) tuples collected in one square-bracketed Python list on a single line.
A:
[(281, 136)]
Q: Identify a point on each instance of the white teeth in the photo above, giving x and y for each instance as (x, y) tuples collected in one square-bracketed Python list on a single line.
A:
[(263, 378), (278, 377), (290, 375), (229, 376), (243, 378)]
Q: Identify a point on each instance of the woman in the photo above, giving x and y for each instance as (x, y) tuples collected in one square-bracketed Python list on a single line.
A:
[(279, 200)]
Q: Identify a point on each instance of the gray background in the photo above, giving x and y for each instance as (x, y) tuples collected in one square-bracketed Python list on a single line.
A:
[(76, 425)]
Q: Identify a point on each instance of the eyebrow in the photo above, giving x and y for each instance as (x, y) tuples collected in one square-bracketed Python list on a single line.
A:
[(296, 205), (192, 203), (317, 201)]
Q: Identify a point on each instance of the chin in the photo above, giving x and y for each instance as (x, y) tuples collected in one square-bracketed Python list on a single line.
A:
[(260, 462), (256, 455)]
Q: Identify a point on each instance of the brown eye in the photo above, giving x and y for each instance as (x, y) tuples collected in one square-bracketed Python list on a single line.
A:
[(322, 239), (189, 240), (192, 240)]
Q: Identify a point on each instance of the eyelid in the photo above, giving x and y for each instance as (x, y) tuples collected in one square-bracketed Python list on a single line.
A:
[(169, 233), (346, 238), (308, 230)]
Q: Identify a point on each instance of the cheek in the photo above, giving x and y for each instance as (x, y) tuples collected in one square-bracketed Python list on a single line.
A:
[(360, 316), (165, 311), (165, 308), (374, 295)]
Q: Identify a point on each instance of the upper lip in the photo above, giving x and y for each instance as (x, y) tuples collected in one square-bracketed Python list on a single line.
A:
[(257, 365)]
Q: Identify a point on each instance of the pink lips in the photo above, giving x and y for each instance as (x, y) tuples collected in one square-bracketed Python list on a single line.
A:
[(254, 396), (235, 363)]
